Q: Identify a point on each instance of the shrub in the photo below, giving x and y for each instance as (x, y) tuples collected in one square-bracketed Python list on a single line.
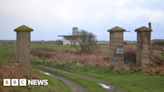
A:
[(158, 59), (160, 43), (125, 43), (130, 54), (87, 41), (59, 42)]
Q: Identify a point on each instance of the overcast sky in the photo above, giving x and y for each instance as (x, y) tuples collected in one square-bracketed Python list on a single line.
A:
[(50, 18)]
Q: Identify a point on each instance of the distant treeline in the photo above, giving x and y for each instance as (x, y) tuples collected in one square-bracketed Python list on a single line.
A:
[(7, 40)]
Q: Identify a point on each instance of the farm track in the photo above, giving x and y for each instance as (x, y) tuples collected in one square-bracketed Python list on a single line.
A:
[(113, 88), (73, 85)]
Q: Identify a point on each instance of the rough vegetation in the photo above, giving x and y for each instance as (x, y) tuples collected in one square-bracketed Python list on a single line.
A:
[(100, 58), (159, 43), (59, 42), (134, 79), (96, 64), (87, 42), (8, 70)]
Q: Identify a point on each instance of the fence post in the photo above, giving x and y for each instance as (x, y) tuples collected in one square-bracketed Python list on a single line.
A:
[(23, 46), (116, 47), (143, 46)]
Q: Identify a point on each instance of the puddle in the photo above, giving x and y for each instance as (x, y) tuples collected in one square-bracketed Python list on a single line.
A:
[(105, 84), (46, 73), (73, 85)]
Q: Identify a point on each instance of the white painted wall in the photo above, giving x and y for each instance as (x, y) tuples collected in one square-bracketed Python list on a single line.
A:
[(65, 41)]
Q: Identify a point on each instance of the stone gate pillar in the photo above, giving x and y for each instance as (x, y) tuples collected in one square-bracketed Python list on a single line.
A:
[(143, 46), (116, 47), (23, 46)]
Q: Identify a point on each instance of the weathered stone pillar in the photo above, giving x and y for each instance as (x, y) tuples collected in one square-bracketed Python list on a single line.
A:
[(23, 46), (116, 47), (143, 46)]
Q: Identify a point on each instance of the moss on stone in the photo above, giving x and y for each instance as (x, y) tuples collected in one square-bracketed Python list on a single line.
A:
[(143, 28), (23, 28), (116, 29)]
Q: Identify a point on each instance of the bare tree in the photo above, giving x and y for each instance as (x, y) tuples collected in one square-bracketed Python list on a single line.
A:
[(86, 40), (73, 41)]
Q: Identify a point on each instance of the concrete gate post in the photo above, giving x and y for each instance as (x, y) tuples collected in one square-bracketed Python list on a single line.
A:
[(23, 46), (143, 46), (116, 47)]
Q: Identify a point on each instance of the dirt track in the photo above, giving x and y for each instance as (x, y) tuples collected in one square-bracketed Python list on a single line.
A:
[(75, 86)]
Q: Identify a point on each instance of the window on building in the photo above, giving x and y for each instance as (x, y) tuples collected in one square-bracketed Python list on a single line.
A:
[(67, 38)]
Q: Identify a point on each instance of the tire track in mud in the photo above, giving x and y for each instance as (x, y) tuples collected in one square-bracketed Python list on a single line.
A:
[(107, 85), (73, 85)]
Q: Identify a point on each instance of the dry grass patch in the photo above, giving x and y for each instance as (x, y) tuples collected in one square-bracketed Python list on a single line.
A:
[(13, 72)]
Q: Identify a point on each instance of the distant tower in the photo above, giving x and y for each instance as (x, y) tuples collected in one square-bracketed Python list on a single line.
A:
[(75, 31)]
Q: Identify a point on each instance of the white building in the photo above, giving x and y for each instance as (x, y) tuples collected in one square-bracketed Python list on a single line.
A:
[(67, 38)]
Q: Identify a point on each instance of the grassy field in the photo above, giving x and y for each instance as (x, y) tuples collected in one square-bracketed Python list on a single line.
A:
[(51, 46), (7, 55), (134, 79), (91, 85), (134, 82), (54, 85), (62, 47)]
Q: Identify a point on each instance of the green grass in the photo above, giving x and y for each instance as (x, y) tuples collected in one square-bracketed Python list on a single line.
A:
[(133, 82), (53, 85), (104, 47), (51, 46), (64, 47), (6, 51), (162, 53), (60, 47), (91, 85), (137, 82)]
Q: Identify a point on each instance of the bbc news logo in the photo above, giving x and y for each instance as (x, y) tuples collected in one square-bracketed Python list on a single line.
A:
[(23, 82)]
